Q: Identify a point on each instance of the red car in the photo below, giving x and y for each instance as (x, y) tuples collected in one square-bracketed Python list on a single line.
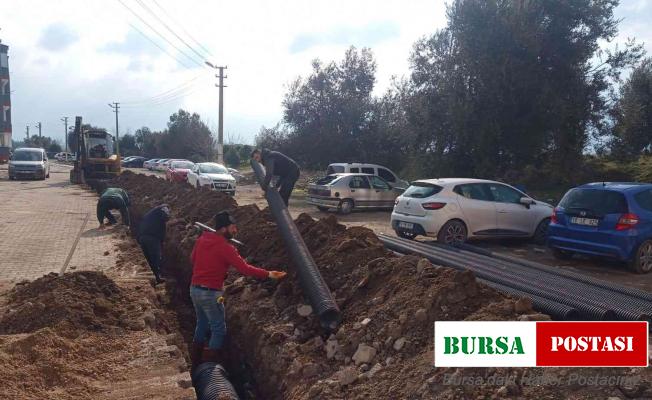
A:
[(178, 170)]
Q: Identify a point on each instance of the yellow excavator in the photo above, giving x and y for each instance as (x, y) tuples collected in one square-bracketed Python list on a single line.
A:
[(96, 157)]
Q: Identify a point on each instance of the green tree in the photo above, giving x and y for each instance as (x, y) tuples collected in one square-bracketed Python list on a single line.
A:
[(188, 137), (633, 114), (128, 145), (232, 158)]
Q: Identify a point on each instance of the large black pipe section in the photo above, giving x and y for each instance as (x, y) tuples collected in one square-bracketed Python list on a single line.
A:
[(557, 271), (625, 307), (312, 283), (211, 383), (556, 310), (587, 308)]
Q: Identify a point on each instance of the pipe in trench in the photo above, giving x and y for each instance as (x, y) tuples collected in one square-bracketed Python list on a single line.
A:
[(592, 311), (211, 383), (312, 283)]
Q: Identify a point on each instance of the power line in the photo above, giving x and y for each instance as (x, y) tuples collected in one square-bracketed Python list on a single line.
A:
[(182, 28), (159, 34), (157, 45), (143, 5), (163, 94), (170, 97)]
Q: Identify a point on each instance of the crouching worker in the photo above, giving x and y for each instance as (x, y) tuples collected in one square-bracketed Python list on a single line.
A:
[(151, 234), (113, 199), (212, 256)]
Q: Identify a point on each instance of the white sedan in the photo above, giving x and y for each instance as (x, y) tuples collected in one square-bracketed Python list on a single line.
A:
[(454, 209), (212, 175)]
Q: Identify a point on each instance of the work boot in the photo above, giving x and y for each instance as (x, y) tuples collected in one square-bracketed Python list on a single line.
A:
[(196, 350), (159, 280), (213, 355)]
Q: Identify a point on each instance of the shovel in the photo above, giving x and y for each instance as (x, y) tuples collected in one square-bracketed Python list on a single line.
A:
[(203, 227)]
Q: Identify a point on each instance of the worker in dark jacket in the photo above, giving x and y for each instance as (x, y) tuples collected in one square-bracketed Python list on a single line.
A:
[(211, 258), (113, 199), (151, 234), (280, 165)]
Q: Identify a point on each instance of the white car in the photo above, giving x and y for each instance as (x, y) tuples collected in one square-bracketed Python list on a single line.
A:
[(370, 169), (212, 175), (454, 209), (149, 164)]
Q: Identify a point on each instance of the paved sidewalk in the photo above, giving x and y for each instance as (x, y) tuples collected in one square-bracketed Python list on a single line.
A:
[(49, 226)]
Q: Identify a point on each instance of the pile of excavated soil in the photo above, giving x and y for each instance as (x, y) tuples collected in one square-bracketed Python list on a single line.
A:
[(383, 348)]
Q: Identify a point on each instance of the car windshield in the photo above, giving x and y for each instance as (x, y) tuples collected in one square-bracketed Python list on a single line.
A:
[(182, 165), (27, 155), (334, 169), (421, 190), (595, 201), (99, 147), (327, 180), (212, 169)]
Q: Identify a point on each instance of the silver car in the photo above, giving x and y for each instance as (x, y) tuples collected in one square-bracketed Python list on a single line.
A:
[(29, 162), (348, 192)]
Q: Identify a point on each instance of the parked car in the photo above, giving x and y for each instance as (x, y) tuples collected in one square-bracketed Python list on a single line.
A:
[(134, 162), (29, 162), (63, 156), (178, 171), (212, 175), (371, 169), (455, 209), (236, 174), (149, 164), (348, 192), (5, 153), (605, 219), (159, 164)]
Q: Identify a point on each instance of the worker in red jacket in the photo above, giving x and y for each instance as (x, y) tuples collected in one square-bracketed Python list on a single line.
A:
[(212, 256)]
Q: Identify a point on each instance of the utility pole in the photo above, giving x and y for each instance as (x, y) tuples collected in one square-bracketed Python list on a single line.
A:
[(38, 125), (116, 106), (27, 131), (220, 124), (65, 132)]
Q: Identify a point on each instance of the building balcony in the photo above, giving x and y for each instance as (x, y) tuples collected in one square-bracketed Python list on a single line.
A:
[(5, 99), (5, 126), (4, 72)]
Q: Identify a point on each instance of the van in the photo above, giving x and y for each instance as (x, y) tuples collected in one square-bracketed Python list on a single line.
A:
[(371, 169), (29, 162)]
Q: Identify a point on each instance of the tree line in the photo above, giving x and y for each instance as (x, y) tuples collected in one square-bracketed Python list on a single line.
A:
[(513, 90)]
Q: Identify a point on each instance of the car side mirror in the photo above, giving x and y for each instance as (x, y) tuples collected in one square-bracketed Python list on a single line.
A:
[(526, 201)]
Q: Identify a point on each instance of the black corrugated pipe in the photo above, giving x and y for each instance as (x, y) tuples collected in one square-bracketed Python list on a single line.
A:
[(582, 305), (312, 283), (550, 307), (593, 289), (211, 383), (557, 271), (620, 303)]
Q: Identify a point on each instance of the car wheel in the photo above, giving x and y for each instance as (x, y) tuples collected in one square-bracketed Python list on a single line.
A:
[(406, 235), (322, 208), (346, 206), (541, 233), (561, 254), (453, 232), (198, 186), (642, 262)]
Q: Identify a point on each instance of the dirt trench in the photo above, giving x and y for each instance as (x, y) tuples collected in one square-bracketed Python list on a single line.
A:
[(383, 348)]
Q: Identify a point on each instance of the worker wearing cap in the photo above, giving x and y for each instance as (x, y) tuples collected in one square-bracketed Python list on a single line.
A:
[(279, 165), (151, 234), (212, 256), (113, 199)]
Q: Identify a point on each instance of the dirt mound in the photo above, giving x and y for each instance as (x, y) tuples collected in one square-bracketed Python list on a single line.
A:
[(383, 348), (76, 301)]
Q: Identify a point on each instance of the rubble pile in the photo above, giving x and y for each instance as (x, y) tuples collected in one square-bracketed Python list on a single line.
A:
[(383, 348)]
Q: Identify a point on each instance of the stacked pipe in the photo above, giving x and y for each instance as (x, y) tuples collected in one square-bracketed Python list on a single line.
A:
[(562, 294), (312, 283)]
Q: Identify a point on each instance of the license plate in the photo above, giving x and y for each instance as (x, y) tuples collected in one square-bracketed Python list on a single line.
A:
[(406, 225), (585, 221), (220, 185)]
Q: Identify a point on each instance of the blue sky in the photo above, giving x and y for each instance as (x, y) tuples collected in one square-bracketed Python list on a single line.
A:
[(73, 57)]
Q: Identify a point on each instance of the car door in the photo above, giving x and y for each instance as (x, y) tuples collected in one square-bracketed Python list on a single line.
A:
[(382, 193), (192, 176), (514, 218), (476, 202), (360, 191)]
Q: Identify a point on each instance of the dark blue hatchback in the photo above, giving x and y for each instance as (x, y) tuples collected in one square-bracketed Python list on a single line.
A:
[(606, 219)]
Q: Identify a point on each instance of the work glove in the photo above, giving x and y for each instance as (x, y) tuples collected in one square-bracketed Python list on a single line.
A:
[(276, 274)]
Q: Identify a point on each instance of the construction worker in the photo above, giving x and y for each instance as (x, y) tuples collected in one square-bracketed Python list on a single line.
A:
[(113, 199), (151, 234), (212, 256), (280, 165)]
